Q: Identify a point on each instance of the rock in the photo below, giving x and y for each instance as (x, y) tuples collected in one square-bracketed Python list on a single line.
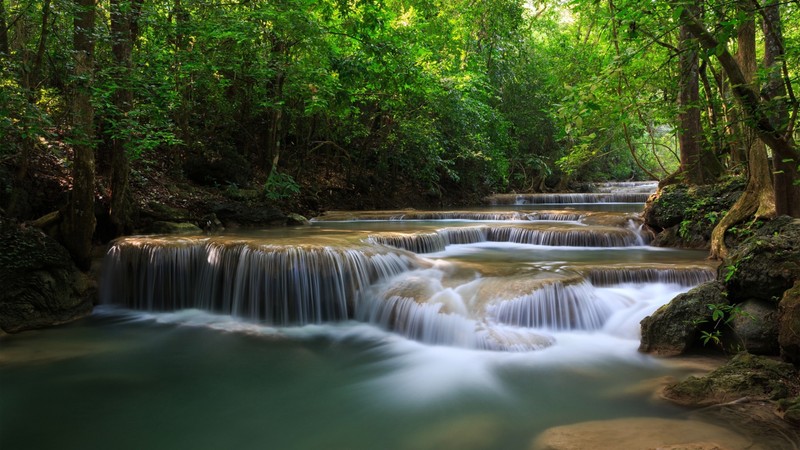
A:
[(684, 216), (766, 264), (232, 213), (756, 327), (789, 324), (296, 219), (746, 375), (163, 227), (641, 433), (40, 284), (791, 411), (676, 326)]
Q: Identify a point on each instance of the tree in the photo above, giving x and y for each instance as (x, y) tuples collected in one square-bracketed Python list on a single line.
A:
[(759, 114), (78, 225)]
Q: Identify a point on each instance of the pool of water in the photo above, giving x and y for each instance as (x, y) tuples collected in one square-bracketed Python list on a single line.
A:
[(129, 380)]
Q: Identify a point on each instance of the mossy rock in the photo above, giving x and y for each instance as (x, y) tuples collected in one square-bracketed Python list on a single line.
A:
[(41, 285), (164, 227), (745, 375), (685, 216), (676, 327), (765, 264), (789, 324)]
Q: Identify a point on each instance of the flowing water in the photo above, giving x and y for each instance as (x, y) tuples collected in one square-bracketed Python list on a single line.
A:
[(473, 329)]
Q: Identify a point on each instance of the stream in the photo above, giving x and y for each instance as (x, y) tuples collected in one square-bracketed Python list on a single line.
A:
[(468, 329)]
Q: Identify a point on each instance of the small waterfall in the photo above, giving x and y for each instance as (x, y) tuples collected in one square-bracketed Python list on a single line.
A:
[(415, 242), (279, 285), (555, 306), (464, 235), (581, 237), (397, 216), (684, 276), (570, 198)]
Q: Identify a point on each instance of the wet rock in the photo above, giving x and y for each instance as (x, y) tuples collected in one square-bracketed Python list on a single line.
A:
[(164, 227), (676, 326), (791, 411), (745, 376), (755, 327), (789, 324), (641, 433), (766, 264), (40, 284), (296, 219)]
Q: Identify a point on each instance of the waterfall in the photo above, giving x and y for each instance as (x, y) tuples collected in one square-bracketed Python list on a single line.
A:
[(275, 284), (581, 237), (555, 306), (684, 276), (560, 199)]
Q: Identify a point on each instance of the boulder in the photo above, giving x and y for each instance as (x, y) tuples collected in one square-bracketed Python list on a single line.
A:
[(765, 264), (40, 284), (164, 227), (755, 328), (676, 326), (789, 324), (684, 216), (744, 376)]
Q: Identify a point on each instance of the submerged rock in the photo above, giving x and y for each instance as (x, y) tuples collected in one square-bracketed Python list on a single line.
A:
[(641, 433), (676, 326), (40, 284)]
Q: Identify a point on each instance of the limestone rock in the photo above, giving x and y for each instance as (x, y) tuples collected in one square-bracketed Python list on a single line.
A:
[(296, 219), (756, 328), (746, 375), (164, 227), (641, 433), (766, 264), (40, 284), (675, 327), (789, 324)]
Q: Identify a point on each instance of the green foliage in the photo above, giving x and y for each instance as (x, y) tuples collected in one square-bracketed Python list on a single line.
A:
[(721, 315), (280, 186)]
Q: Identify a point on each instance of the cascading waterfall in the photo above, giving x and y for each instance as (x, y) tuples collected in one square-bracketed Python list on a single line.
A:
[(373, 276), (276, 284)]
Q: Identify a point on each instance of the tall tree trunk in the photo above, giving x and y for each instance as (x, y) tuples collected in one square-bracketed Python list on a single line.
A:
[(758, 198), (124, 16), (787, 191), (79, 221), (690, 130)]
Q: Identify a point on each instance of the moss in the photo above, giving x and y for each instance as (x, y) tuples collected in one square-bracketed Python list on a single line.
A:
[(746, 375)]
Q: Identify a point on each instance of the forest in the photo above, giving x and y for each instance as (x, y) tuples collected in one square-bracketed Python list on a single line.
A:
[(358, 104)]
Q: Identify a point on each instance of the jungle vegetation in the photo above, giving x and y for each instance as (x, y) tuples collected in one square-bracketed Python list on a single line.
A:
[(379, 98)]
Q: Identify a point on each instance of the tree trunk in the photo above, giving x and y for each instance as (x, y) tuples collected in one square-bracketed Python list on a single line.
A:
[(79, 222), (4, 51), (690, 130), (124, 15), (787, 191)]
